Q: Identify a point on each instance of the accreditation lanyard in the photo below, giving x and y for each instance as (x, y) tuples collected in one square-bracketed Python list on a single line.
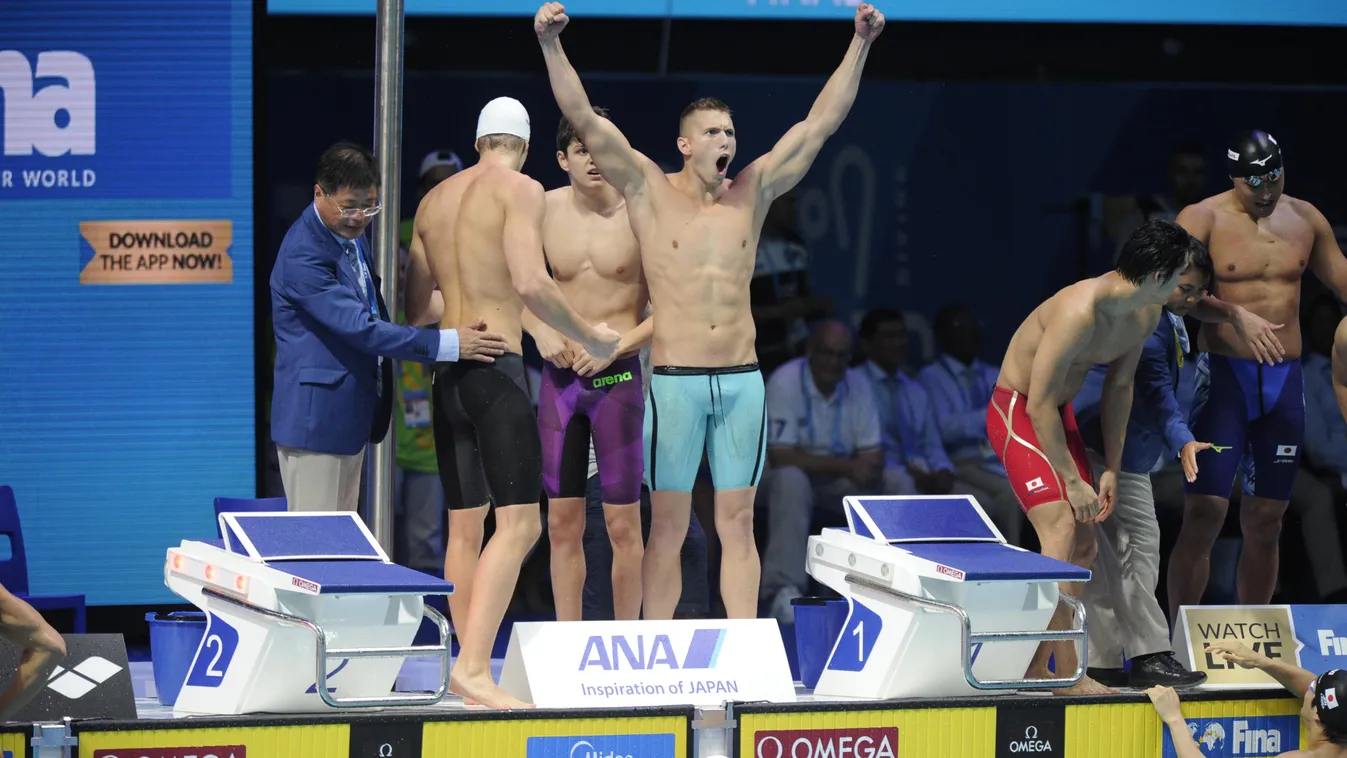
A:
[(840, 394)]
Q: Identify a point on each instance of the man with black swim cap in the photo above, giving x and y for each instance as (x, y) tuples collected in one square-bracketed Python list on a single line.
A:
[(1323, 711), (1250, 392)]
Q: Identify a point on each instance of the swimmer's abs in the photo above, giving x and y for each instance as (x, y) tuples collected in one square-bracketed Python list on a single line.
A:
[(699, 345)]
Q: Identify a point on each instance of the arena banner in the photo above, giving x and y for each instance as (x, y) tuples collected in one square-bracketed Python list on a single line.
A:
[(1266, 629), (665, 734), (834, 730)]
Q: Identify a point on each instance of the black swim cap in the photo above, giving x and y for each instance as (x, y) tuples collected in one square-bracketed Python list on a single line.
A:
[(1330, 700), (1253, 153)]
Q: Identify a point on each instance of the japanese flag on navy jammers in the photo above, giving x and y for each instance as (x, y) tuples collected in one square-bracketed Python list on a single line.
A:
[(1286, 451)]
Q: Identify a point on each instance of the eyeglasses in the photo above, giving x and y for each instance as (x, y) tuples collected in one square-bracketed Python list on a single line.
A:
[(1270, 177), (366, 212)]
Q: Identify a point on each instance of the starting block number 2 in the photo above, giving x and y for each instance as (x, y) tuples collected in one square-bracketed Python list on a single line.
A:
[(858, 639), (214, 655)]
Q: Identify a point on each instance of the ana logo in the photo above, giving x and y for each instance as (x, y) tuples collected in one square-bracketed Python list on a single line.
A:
[(82, 679), (56, 119), (1229, 737), (602, 746), (1033, 485), (609, 652), (603, 381), (875, 742), (1331, 644)]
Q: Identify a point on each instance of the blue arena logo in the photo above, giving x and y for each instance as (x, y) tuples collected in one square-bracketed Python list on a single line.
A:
[(1231, 737), (641, 652), (602, 746)]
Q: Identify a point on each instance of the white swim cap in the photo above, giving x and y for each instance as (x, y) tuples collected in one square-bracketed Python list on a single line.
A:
[(504, 115)]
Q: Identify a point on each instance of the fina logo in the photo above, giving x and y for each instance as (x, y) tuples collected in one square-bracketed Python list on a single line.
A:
[(583, 749), (1213, 740), (1331, 644), (1031, 743), (56, 119)]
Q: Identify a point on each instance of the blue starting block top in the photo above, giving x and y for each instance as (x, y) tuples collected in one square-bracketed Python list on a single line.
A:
[(994, 562), (332, 550), (953, 532), (927, 518)]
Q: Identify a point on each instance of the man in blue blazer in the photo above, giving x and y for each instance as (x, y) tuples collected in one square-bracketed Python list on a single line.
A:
[(333, 388)]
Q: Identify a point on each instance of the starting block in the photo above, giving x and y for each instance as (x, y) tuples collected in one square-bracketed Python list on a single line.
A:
[(939, 604), (305, 612)]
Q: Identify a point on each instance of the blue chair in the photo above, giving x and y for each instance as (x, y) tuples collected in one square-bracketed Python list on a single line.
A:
[(247, 505), (14, 571)]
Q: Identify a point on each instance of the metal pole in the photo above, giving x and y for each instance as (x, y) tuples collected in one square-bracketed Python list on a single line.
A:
[(388, 151)]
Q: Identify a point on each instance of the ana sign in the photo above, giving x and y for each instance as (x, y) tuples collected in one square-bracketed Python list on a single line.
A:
[(605, 664)]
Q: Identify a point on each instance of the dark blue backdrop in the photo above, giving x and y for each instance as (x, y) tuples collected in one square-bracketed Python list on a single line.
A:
[(929, 193)]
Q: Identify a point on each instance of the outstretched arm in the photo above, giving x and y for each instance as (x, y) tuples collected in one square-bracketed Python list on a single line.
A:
[(523, 243), (42, 648), (620, 164), (1256, 331), (791, 157)]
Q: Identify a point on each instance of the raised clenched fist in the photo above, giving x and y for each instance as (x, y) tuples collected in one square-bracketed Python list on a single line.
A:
[(549, 22), (869, 22)]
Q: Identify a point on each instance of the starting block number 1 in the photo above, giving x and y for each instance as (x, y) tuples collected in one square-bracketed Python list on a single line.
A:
[(214, 655), (858, 639)]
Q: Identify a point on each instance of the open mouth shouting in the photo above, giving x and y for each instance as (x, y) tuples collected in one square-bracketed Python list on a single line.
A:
[(722, 165)]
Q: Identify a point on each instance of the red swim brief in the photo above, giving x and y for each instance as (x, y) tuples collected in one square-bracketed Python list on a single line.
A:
[(1012, 437)]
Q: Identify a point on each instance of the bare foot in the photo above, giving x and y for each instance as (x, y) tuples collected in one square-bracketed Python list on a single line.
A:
[(1086, 686), (467, 701), (483, 691)]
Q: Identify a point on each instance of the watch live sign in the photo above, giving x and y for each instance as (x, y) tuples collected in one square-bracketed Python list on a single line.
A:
[(126, 130)]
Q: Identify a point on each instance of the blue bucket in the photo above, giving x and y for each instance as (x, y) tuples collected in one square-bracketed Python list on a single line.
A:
[(173, 643), (818, 624)]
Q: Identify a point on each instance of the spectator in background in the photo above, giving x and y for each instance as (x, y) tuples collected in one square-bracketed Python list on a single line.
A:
[(1187, 177), (437, 166), (959, 385), (779, 291), (908, 429), (823, 443)]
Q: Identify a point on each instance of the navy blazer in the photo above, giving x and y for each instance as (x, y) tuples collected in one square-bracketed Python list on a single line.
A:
[(1158, 425), (325, 397)]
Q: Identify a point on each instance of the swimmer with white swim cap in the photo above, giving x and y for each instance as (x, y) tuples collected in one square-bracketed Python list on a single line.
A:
[(498, 269), (1250, 391), (698, 233)]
